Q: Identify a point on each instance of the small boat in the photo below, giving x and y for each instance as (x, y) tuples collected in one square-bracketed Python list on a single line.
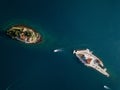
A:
[(58, 50), (90, 60), (106, 87)]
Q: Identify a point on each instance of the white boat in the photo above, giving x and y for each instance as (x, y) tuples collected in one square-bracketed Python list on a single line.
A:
[(58, 50), (90, 60)]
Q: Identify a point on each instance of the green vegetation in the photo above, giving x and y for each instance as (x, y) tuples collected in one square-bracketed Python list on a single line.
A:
[(28, 33), (14, 32), (24, 34)]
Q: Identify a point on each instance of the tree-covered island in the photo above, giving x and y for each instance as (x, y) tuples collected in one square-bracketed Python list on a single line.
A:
[(24, 34)]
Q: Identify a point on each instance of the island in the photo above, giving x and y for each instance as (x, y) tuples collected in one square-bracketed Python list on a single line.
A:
[(90, 60), (24, 34)]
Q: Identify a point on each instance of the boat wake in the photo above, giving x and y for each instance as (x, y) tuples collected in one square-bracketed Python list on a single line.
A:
[(58, 50), (106, 87)]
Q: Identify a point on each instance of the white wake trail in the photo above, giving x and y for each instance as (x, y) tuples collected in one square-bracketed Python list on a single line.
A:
[(106, 87), (58, 50)]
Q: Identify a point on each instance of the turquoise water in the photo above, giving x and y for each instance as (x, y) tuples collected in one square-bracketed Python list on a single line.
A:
[(63, 24)]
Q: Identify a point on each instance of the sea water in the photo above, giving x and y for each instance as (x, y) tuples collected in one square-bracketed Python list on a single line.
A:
[(68, 24)]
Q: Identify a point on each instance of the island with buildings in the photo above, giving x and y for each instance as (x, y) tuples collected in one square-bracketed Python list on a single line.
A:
[(24, 34), (90, 60)]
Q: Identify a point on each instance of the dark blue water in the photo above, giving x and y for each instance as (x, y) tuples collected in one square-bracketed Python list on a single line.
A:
[(67, 24)]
